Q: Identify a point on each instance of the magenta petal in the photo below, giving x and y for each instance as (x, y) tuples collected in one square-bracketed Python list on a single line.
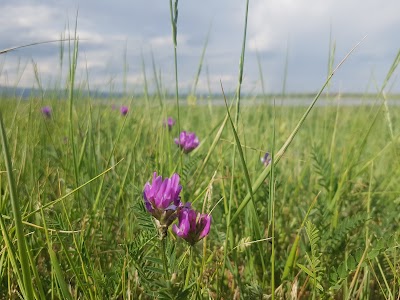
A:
[(192, 218), (192, 226), (176, 230), (162, 199), (183, 227), (187, 141), (182, 137), (46, 111), (160, 196), (207, 220), (147, 203), (175, 189)]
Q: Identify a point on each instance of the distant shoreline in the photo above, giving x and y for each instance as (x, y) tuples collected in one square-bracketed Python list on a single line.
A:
[(19, 92)]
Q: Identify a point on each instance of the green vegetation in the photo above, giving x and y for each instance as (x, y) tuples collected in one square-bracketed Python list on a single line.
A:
[(99, 242), (320, 221)]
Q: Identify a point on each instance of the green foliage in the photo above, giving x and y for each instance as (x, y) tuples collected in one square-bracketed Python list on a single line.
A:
[(337, 239), (313, 268), (74, 226), (189, 166), (324, 168), (116, 248)]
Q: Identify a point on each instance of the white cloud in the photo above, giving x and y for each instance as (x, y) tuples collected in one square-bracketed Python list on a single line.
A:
[(272, 22), (27, 21), (301, 25)]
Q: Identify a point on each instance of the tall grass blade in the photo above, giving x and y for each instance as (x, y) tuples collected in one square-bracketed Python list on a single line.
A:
[(21, 242), (290, 261), (260, 179), (260, 72), (145, 85), (196, 80), (55, 263), (11, 253), (239, 146), (174, 23), (49, 204), (73, 58), (382, 93), (4, 51), (211, 150), (285, 73), (157, 82), (271, 208)]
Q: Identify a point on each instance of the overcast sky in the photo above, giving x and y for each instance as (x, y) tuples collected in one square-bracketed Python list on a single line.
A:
[(297, 29)]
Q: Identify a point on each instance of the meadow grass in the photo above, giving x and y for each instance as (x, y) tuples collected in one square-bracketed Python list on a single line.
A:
[(99, 242), (320, 221)]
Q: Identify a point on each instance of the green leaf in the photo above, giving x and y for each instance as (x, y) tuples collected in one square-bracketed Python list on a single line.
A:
[(59, 274), (264, 174), (16, 209)]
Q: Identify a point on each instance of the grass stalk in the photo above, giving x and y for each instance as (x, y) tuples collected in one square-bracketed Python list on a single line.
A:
[(272, 207), (163, 249), (23, 249), (12, 255), (55, 263), (157, 81), (199, 68), (285, 74), (264, 174), (189, 268), (174, 23), (73, 60), (237, 144)]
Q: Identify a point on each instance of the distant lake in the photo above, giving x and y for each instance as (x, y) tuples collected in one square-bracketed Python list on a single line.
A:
[(293, 101)]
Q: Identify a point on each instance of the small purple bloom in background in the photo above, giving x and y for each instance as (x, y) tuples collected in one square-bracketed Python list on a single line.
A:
[(193, 226), (162, 200), (266, 159), (124, 110), (170, 123), (46, 111), (187, 141), (113, 107)]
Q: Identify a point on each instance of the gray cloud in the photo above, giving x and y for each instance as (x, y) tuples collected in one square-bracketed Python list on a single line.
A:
[(300, 27)]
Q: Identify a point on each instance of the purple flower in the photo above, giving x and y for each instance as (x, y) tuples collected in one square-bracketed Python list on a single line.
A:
[(170, 123), (266, 159), (193, 226), (187, 141), (46, 111), (162, 200), (124, 110)]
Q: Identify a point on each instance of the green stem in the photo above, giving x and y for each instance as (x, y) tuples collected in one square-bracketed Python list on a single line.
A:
[(229, 231), (23, 249), (72, 70), (189, 269), (174, 23), (164, 258)]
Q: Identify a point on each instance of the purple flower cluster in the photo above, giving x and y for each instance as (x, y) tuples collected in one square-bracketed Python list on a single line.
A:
[(266, 159), (124, 110), (193, 226), (163, 202), (170, 122), (161, 198), (187, 141), (46, 111)]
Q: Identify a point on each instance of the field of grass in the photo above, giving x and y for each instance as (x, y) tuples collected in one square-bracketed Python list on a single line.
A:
[(94, 239), (320, 221)]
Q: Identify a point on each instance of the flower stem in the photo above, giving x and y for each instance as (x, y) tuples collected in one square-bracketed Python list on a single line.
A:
[(164, 258), (189, 269)]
